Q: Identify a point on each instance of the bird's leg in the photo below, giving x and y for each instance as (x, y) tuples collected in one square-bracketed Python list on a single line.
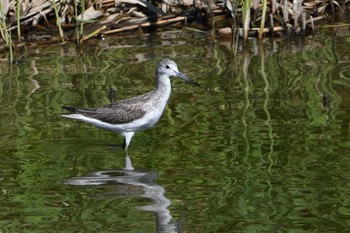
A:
[(128, 164), (124, 144), (127, 139)]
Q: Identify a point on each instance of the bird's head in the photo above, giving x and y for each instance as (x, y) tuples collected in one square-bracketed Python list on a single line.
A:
[(168, 68)]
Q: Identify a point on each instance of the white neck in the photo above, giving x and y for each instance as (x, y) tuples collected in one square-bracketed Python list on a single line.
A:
[(163, 86)]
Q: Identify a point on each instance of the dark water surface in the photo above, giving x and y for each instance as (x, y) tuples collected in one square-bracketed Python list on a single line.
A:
[(262, 146)]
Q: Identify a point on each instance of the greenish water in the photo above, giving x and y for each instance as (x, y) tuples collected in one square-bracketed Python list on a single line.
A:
[(255, 149)]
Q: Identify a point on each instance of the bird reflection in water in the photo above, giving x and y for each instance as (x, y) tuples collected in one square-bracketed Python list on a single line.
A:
[(133, 183)]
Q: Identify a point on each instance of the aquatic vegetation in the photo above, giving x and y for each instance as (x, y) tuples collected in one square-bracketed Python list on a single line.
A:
[(5, 34)]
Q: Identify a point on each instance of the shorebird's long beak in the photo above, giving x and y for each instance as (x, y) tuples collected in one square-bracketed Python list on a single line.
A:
[(184, 77)]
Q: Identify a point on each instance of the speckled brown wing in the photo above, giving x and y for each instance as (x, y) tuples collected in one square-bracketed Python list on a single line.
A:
[(116, 113)]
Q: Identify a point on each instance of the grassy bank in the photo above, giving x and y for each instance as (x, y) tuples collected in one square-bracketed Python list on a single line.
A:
[(80, 20)]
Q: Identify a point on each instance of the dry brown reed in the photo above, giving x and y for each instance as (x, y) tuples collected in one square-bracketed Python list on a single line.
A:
[(227, 17)]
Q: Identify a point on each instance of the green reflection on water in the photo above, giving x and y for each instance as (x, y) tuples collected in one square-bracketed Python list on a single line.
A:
[(253, 150)]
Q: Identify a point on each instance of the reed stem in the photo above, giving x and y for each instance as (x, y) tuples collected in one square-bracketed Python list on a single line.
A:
[(10, 46), (5, 34), (18, 16), (262, 22), (246, 18), (77, 31), (58, 20), (82, 17)]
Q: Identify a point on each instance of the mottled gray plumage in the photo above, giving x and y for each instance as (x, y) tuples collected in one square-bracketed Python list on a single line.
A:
[(121, 112), (136, 113)]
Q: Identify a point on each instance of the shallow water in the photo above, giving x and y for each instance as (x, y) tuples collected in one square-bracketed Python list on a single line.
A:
[(261, 146)]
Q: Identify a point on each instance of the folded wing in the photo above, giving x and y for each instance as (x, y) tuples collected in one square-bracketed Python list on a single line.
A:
[(116, 113)]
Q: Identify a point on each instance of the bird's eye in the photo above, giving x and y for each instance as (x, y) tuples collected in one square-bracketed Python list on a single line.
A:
[(167, 67)]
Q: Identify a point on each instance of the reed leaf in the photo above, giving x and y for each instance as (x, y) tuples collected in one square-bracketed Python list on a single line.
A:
[(297, 11), (4, 5), (285, 12)]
